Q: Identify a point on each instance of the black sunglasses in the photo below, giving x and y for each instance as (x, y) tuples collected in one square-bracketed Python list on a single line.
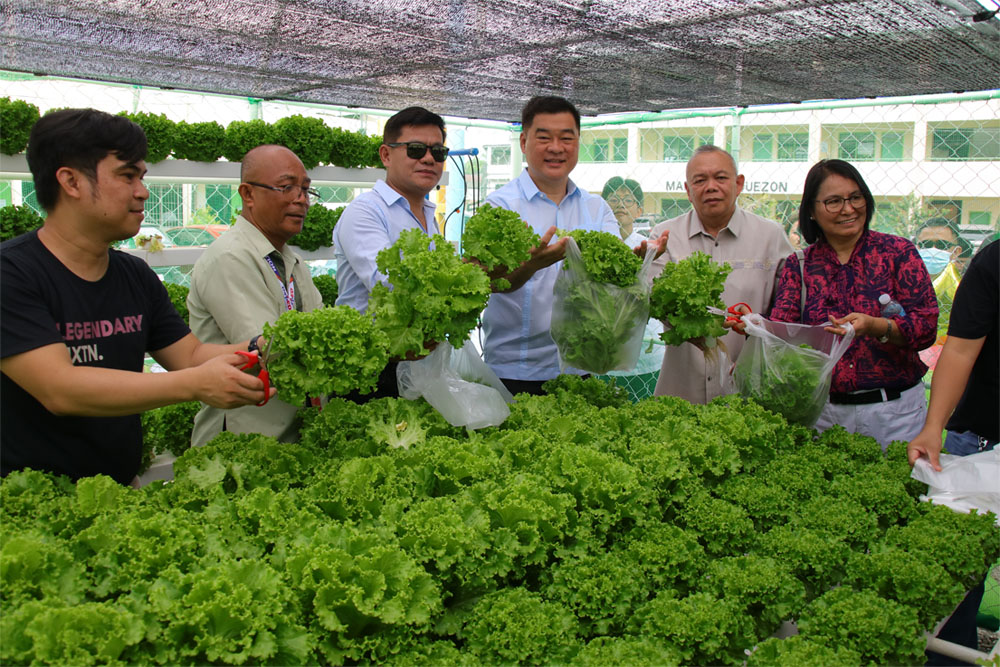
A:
[(416, 150)]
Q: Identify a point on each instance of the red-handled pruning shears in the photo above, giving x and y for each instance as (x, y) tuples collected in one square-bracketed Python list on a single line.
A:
[(258, 358), (734, 315)]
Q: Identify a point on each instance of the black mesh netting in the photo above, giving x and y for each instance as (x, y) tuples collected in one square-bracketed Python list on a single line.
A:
[(484, 58)]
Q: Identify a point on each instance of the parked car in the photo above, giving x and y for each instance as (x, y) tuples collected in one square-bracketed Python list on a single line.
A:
[(190, 236), (215, 230)]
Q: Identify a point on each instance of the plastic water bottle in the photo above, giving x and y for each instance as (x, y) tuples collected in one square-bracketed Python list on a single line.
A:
[(890, 307)]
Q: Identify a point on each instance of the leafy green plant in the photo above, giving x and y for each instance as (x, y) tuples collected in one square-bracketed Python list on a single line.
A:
[(178, 296), (798, 651), (350, 149), (786, 380), (17, 220), (328, 350), (518, 626), (496, 237), (681, 295), (168, 429), (159, 134), (317, 228), (606, 259), (327, 286), (307, 137), (201, 142), (881, 631), (600, 304), (16, 118), (704, 629), (387, 536), (243, 135), (599, 393), (374, 158), (435, 296)]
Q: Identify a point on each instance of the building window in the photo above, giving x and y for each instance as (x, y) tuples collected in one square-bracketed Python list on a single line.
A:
[(607, 149), (678, 149), (781, 147), (857, 146), (619, 149), (981, 143), (793, 147), (950, 209), (979, 218), (892, 146), (499, 156), (763, 147)]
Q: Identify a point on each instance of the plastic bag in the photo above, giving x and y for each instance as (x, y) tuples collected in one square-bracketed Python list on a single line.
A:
[(458, 384), (598, 327), (964, 483), (776, 370)]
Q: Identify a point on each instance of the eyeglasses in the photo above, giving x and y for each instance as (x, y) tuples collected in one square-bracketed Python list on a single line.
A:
[(416, 150), (291, 190), (836, 204), (627, 201)]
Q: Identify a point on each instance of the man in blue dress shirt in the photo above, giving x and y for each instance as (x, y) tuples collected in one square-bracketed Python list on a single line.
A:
[(413, 153), (517, 344)]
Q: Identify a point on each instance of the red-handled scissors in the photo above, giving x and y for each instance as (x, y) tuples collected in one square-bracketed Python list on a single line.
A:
[(254, 359), (734, 315)]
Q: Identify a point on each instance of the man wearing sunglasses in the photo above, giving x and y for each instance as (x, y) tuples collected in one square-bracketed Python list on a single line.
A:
[(249, 276), (413, 153)]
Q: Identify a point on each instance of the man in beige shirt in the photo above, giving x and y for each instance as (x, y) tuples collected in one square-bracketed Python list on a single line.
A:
[(250, 276), (754, 246)]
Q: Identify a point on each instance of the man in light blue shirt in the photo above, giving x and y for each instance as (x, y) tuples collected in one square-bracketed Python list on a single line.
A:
[(517, 344), (413, 153)]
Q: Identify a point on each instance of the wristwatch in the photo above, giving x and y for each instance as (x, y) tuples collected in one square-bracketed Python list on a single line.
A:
[(888, 330), (253, 347)]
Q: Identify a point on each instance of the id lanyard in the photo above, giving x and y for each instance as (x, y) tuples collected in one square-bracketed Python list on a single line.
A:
[(288, 293)]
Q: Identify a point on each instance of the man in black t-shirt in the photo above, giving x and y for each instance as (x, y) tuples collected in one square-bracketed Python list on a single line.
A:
[(77, 318), (965, 388)]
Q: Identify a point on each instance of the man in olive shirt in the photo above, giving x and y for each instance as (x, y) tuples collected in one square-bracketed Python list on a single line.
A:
[(250, 276), (753, 246)]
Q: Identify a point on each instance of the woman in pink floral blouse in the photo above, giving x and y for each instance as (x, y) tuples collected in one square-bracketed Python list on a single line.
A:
[(877, 388)]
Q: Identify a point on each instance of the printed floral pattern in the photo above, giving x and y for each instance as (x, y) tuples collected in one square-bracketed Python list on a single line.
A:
[(880, 264)]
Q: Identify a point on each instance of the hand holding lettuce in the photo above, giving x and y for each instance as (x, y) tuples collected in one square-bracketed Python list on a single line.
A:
[(600, 303)]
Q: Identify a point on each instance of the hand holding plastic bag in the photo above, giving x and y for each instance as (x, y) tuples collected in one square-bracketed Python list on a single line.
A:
[(964, 483), (458, 384), (787, 368), (598, 327)]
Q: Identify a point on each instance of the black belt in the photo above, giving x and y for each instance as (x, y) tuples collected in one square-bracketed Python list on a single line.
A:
[(866, 397)]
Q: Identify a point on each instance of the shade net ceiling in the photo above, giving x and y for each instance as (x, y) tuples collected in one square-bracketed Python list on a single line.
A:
[(485, 58)]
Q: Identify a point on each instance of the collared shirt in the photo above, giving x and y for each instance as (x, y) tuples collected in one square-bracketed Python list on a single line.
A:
[(516, 340), (754, 247), (234, 292), (370, 224), (634, 239), (879, 264)]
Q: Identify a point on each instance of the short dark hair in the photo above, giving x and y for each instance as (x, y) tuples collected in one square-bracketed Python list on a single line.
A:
[(616, 183), (965, 248), (547, 104), (78, 138), (410, 117), (814, 179)]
